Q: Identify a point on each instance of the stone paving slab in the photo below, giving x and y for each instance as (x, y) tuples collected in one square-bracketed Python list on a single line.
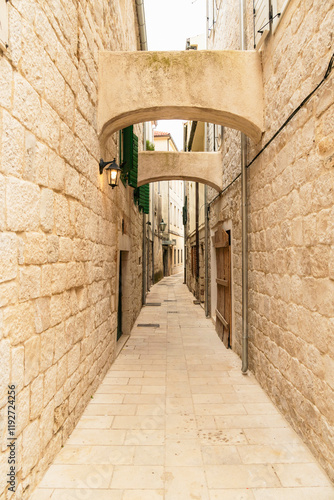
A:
[(175, 419)]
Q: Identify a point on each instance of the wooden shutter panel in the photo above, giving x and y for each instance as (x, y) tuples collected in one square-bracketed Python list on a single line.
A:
[(184, 212), (144, 198), (130, 155), (261, 21)]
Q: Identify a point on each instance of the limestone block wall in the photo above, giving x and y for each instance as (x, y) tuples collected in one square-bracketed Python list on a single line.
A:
[(291, 232), (60, 223)]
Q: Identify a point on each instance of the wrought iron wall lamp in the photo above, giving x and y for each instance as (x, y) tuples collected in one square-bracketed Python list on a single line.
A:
[(162, 226), (113, 171)]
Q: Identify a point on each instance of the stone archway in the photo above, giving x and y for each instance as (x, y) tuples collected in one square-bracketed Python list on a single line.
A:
[(223, 87), (163, 166)]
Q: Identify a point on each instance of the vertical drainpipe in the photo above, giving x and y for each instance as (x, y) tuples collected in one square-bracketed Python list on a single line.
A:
[(206, 237), (152, 229), (198, 295), (206, 240), (143, 46), (141, 24), (144, 272), (206, 252), (244, 215), (185, 135)]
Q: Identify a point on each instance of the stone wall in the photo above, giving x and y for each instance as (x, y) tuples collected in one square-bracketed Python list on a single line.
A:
[(60, 223), (291, 232)]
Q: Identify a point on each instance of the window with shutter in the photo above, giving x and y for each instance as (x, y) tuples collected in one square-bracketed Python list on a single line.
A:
[(184, 214), (130, 155), (144, 198), (261, 21)]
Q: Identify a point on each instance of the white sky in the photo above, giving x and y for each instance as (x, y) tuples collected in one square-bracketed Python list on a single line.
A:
[(169, 23)]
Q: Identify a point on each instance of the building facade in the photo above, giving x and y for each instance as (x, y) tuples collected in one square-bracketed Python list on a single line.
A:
[(172, 196), (75, 254), (70, 245), (290, 213), (194, 135)]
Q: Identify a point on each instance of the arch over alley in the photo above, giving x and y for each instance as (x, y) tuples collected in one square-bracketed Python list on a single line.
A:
[(223, 87), (163, 166)]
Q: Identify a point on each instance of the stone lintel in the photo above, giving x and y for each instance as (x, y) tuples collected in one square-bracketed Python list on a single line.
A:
[(156, 166)]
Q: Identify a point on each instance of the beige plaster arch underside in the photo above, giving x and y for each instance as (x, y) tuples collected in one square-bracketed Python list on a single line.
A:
[(223, 87), (163, 166)]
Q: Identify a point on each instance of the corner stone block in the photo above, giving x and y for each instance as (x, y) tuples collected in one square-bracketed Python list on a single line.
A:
[(62, 215), (47, 349), (30, 282), (46, 214), (50, 384), (32, 358), (73, 359), (60, 415), (42, 314), (36, 397), (61, 344), (56, 309), (23, 405), (30, 447), (12, 148), (17, 368), (58, 283), (53, 248), (2, 203), (47, 424), (23, 205), (56, 171), (8, 257), (6, 74), (4, 369), (26, 104), (61, 372), (65, 249), (19, 322), (34, 248)]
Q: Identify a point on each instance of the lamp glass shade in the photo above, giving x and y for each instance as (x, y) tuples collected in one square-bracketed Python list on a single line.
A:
[(114, 173), (162, 225)]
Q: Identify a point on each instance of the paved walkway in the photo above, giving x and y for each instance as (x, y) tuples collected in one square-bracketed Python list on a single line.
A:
[(175, 419)]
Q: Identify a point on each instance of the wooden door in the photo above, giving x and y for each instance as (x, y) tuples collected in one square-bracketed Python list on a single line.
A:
[(221, 241)]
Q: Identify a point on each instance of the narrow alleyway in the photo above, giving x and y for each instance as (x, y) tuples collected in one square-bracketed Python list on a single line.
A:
[(175, 419)]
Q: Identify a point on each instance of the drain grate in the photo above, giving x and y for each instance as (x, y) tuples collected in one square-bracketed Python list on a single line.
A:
[(153, 304), (173, 312), (170, 300), (149, 325)]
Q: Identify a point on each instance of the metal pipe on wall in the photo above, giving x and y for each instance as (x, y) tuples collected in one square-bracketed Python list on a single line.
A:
[(206, 253), (144, 269), (206, 239), (185, 137), (153, 229), (141, 24), (244, 212), (143, 46)]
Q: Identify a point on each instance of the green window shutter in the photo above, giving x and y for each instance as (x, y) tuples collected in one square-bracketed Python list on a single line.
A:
[(144, 198), (184, 212), (130, 155)]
